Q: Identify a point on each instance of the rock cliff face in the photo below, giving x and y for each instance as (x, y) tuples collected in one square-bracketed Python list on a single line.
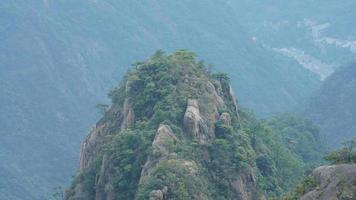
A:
[(336, 182), (116, 117), (194, 123), (245, 186), (128, 115)]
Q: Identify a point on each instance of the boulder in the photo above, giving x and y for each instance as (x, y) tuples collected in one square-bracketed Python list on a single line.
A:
[(225, 118), (156, 195), (334, 182), (194, 123), (164, 139)]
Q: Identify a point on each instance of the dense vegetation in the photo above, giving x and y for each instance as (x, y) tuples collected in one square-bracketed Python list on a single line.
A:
[(294, 146), (346, 154), (278, 150), (305, 186)]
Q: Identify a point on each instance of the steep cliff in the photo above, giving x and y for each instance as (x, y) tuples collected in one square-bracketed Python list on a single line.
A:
[(174, 131)]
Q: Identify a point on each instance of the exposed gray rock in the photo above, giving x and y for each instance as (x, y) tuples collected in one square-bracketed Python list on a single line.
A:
[(210, 103), (124, 117), (334, 182), (233, 99), (194, 123), (190, 165), (103, 187), (89, 149), (162, 143), (218, 101), (225, 118), (245, 186), (156, 195), (128, 115), (159, 194), (164, 139)]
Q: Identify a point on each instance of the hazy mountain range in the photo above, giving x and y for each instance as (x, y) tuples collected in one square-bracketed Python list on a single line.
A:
[(333, 107), (58, 59)]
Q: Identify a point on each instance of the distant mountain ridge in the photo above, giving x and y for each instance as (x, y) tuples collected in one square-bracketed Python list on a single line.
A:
[(333, 107), (318, 34)]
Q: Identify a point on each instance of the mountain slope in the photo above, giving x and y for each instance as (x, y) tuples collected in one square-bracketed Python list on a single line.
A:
[(333, 106), (175, 131)]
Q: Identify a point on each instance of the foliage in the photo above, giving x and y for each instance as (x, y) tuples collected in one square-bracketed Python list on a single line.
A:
[(58, 194), (102, 108), (177, 177), (286, 146), (87, 180), (223, 131), (227, 159), (346, 154), (128, 153), (307, 185), (265, 165), (156, 89), (300, 136)]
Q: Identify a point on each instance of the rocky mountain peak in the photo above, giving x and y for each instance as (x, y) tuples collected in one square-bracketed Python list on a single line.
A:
[(174, 131)]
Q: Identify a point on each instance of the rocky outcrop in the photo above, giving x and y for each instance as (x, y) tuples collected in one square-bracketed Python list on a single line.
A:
[(217, 100), (114, 119), (158, 194), (162, 143), (225, 118), (163, 140), (194, 123), (128, 115), (334, 182), (104, 188), (233, 100), (245, 186), (91, 146)]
